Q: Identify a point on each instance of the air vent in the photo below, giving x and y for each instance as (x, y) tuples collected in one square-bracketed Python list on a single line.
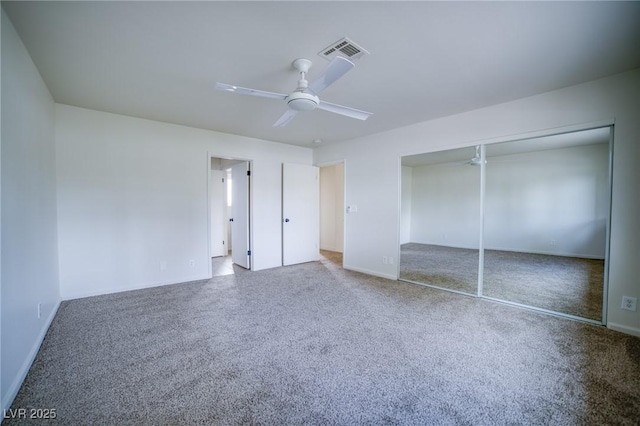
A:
[(343, 47)]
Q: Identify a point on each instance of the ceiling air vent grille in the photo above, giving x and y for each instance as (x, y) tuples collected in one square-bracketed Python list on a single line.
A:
[(343, 47)]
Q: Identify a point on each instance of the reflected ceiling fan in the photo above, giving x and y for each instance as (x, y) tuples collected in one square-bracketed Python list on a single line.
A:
[(305, 96), (477, 159)]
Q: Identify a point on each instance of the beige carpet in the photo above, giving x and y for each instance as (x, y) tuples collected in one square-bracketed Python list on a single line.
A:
[(562, 284), (314, 344)]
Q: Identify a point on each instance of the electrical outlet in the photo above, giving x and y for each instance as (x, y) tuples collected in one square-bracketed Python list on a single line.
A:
[(163, 265), (629, 303), (385, 260), (554, 242), (192, 263)]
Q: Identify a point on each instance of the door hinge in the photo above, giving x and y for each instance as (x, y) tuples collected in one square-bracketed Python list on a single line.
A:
[(222, 180), (248, 252), (248, 172)]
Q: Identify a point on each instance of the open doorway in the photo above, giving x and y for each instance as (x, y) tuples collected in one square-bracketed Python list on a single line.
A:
[(229, 215), (332, 212)]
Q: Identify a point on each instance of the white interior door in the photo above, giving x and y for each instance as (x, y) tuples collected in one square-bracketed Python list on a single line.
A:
[(300, 213), (241, 251), (218, 226)]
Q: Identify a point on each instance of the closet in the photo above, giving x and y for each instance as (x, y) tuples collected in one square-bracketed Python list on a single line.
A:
[(523, 222)]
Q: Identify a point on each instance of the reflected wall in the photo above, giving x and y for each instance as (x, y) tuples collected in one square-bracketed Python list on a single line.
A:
[(546, 210), (441, 220)]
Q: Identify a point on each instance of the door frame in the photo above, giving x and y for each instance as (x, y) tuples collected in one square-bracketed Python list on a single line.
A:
[(222, 206), (342, 161), (210, 155)]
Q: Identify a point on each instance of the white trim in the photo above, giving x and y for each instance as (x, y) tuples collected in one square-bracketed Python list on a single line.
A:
[(607, 250), (369, 272), (8, 398), (481, 248), (460, 292), (624, 329), (399, 221), (209, 224), (544, 311), (548, 253), (251, 257), (111, 290), (333, 248), (457, 246), (551, 131), (344, 209)]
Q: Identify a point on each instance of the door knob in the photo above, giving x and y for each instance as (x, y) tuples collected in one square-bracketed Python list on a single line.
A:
[(231, 220), (286, 220)]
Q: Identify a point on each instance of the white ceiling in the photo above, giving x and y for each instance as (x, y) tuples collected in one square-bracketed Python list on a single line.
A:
[(161, 60)]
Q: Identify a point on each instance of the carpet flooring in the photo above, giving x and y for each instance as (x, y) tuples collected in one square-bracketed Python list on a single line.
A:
[(222, 265), (567, 285), (315, 344)]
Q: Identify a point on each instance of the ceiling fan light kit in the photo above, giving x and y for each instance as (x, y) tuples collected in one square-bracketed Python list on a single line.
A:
[(300, 101), (477, 159), (305, 96)]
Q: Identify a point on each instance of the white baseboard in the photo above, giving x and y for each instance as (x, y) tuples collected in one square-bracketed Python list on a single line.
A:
[(368, 272), (111, 290), (514, 250), (332, 248), (624, 329), (8, 398)]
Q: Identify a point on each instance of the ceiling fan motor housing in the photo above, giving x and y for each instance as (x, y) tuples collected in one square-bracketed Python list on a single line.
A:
[(300, 101)]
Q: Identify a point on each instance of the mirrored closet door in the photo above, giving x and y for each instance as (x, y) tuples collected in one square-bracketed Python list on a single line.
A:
[(545, 227), (441, 219), (545, 204)]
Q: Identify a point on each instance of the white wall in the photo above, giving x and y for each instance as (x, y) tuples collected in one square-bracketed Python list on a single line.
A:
[(372, 178), (133, 193), (29, 250), (332, 207)]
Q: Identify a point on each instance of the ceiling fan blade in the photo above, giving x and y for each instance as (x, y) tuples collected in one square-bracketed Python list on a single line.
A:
[(286, 118), (343, 110), (336, 69), (245, 91)]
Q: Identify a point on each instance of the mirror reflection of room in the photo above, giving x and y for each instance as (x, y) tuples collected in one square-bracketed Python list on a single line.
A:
[(545, 206), (545, 227), (440, 226)]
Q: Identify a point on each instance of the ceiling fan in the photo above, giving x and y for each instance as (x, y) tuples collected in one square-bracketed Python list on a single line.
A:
[(477, 159), (305, 96)]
